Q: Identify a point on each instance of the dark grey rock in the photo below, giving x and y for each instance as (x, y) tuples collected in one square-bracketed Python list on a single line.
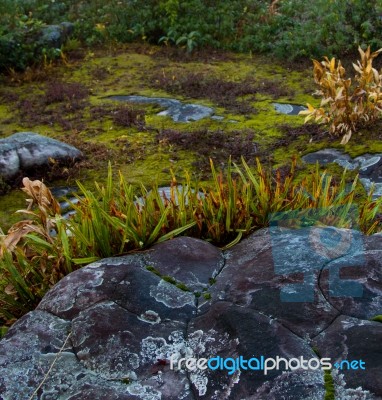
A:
[(123, 281), (229, 331), (354, 339), (127, 324), (369, 166), (25, 151), (327, 156), (361, 274), (190, 261), (165, 193), (271, 271), (178, 111), (68, 379)]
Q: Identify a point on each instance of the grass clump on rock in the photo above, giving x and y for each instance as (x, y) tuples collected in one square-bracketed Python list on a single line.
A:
[(115, 218)]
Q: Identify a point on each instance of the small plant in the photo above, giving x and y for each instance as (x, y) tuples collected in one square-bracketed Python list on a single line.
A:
[(190, 40), (346, 107)]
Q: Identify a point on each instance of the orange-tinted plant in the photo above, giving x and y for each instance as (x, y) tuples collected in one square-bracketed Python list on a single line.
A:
[(347, 106)]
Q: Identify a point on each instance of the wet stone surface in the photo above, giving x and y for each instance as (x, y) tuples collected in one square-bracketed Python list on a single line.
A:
[(369, 166), (119, 322)]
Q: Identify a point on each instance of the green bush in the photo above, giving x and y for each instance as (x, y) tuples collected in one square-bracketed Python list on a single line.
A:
[(20, 43), (287, 28)]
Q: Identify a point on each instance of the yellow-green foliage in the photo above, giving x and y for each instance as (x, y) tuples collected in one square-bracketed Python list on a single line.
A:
[(346, 107)]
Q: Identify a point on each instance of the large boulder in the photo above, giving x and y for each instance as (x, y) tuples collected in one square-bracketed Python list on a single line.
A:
[(118, 328), (26, 151)]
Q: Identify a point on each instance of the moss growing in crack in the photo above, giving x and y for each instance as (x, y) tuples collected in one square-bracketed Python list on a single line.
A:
[(328, 379), (126, 381), (153, 270), (316, 351), (197, 294), (207, 296), (330, 391), (377, 318), (182, 286), (212, 281), (169, 279)]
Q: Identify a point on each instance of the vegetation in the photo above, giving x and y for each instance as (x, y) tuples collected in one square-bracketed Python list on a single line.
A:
[(346, 107), (297, 28), (113, 219), (330, 391)]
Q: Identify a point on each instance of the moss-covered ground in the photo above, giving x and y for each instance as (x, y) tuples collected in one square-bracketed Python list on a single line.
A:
[(67, 101)]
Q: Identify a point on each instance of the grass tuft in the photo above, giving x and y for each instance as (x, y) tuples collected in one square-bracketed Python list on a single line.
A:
[(115, 219)]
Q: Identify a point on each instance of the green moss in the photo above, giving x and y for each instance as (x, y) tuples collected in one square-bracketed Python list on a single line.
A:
[(316, 351), (9, 204), (377, 318), (136, 152), (3, 331), (169, 279), (212, 281), (207, 296), (329, 386), (153, 270), (182, 286)]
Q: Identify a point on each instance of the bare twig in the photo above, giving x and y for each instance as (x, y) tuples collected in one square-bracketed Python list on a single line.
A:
[(51, 367)]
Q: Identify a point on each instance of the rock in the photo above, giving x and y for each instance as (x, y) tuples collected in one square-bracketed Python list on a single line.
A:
[(54, 36), (289, 109), (354, 339), (279, 293), (25, 151), (269, 272), (190, 261), (165, 193), (178, 111), (369, 166)]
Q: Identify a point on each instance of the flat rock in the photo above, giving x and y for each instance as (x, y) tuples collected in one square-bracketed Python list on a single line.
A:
[(289, 109), (25, 151), (369, 166), (178, 111), (123, 328)]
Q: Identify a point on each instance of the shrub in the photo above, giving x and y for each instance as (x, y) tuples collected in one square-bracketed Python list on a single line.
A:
[(346, 107), (286, 28)]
